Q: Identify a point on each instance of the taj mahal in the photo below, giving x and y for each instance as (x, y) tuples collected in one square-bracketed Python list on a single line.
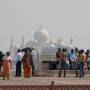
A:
[(43, 43), (44, 48)]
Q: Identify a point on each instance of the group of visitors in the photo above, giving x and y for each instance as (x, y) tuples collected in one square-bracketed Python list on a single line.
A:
[(74, 60), (24, 60)]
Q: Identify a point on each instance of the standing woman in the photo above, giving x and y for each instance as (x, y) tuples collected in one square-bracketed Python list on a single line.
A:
[(7, 65), (26, 64)]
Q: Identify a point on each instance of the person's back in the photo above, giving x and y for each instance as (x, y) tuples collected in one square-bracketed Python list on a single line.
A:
[(7, 65), (63, 60), (63, 56)]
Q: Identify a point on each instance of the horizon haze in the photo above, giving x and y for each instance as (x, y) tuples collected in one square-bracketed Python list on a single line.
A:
[(61, 18)]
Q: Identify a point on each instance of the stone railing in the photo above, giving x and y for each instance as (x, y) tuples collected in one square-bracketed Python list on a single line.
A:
[(45, 87)]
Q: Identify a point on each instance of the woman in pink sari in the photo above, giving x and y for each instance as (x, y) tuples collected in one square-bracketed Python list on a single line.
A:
[(7, 66)]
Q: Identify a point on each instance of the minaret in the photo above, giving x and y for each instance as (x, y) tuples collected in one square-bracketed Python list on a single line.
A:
[(11, 45), (22, 43), (71, 41)]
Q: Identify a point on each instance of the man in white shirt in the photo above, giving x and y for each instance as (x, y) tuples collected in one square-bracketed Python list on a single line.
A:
[(18, 63)]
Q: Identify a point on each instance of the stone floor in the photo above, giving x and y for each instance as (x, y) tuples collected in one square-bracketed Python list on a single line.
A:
[(46, 81), (43, 79)]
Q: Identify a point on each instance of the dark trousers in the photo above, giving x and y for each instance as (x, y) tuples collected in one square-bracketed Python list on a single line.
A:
[(76, 65), (62, 67), (71, 65), (32, 72), (0, 66), (18, 68)]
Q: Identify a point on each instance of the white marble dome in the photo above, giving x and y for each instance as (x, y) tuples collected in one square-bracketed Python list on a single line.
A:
[(41, 35)]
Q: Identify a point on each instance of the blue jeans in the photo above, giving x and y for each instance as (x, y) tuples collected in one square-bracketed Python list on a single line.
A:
[(81, 68)]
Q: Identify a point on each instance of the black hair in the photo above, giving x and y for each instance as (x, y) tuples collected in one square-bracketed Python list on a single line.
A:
[(7, 53), (19, 50), (59, 49)]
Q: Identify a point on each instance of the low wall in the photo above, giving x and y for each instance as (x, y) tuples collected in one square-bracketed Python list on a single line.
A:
[(52, 86)]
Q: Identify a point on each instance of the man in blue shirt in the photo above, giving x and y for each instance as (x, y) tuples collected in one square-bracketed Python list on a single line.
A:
[(72, 59)]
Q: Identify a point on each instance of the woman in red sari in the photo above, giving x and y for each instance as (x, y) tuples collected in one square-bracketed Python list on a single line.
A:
[(26, 64), (7, 65)]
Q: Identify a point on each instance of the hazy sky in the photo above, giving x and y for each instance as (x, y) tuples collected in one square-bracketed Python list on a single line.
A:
[(61, 18)]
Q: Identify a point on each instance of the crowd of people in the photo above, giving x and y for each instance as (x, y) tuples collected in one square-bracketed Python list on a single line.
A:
[(74, 60), (24, 60)]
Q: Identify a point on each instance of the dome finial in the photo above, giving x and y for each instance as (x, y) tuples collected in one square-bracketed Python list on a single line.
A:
[(41, 27)]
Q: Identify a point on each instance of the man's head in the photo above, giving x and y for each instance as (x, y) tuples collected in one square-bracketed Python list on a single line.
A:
[(72, 51), (76, 50), (59, 49), (18, 50)]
